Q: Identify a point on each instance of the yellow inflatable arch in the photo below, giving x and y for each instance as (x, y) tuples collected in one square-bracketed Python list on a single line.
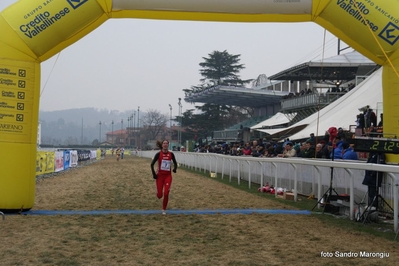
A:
[(34, 30)]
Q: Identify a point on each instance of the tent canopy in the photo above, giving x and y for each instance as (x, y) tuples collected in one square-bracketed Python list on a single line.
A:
[(276, 120), (341, 67), (340, 113)]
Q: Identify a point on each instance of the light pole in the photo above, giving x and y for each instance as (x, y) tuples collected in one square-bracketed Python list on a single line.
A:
[(82, 133), (128, 130), (112, 132), (131, 126), (179, 133), (170, 122), (100, 132), (138, 126), (134, 127), (120, 140)]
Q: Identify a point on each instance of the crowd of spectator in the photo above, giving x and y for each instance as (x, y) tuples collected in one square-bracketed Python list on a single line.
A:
[(367, 122), (308, 91), (333, 145), (297, 94)]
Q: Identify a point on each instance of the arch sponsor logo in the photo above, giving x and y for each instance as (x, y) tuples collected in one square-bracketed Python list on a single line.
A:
[(367, 12), (9, 94), (46, 19), (390, 33), (7, 71), (12, 128), (76, 3), (7, 82)]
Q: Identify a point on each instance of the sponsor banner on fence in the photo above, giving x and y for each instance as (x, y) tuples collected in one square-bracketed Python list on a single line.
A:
[(59, 161), (73, 158), (83, 155), (50, 161), (39, 160), (93, 154), (67, 159), (44, 162)]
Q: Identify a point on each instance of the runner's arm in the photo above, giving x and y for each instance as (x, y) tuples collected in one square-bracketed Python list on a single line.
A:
[(174, 163), (156, 157)]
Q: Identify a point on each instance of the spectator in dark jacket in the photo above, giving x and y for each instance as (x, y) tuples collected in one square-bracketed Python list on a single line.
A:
[(341, 133), (308, 151), (373, 179), (327, 148), (319, 150)]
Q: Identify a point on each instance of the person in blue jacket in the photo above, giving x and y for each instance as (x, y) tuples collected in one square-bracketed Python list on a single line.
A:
[(336, 152), (348, 153)]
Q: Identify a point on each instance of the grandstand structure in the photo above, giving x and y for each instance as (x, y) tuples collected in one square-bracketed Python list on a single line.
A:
[(296, 93)]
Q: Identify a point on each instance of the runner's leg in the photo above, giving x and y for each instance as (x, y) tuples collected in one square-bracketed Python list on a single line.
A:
[(167, 186), (159, 183)]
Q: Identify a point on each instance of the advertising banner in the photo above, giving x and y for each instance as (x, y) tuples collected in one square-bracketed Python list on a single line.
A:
[(59, 161), (17, 82), (67, 159), (83, 155), (98, 154), (39, 163), (93, 154), (44, 162), (50, 162), (74, 158), (42, 25), (374, 24)]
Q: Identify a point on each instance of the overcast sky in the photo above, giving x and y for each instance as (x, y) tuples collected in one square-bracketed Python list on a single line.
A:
[(126, 63)]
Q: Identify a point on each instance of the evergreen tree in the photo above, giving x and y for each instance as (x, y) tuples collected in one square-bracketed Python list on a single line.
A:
[(220, 68)]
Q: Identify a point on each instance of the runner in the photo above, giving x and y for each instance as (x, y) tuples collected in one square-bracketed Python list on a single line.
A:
[(163, 176)]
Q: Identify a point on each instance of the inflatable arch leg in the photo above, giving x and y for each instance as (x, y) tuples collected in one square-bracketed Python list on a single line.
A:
[(18, 134), (32, 31), (390, 84)]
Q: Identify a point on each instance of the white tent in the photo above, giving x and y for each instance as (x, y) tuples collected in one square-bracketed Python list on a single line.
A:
[(275, 120), (340, 113)]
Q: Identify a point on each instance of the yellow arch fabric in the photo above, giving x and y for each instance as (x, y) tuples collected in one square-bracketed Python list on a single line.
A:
[(35, 30)]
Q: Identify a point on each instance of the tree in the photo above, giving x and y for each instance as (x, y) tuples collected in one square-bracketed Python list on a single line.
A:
[(220, 68), (154, 124)]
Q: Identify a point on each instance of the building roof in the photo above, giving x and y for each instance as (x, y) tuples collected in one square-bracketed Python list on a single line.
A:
[(337, 68), (237, 96), (117, 132)]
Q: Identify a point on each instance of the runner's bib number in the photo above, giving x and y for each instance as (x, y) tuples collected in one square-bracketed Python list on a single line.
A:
[(165, 165)]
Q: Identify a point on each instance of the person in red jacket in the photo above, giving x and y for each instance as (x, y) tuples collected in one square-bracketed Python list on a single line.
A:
[(163, 175)]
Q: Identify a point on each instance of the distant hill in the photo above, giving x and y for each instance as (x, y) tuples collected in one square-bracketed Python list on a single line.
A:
[(80, 125)]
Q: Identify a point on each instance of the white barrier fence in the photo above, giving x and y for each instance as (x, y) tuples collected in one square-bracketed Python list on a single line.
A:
[(303, 176)]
